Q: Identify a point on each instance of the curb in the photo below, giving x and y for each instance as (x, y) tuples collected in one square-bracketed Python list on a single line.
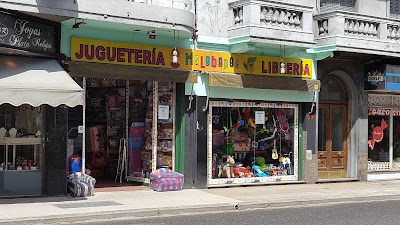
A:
[(153, 212)]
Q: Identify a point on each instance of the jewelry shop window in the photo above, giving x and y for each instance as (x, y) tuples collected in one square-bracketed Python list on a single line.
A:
[(20, 137)]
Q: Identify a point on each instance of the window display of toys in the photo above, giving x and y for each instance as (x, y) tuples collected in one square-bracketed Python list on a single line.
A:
[(165, 133), (165, 98), (168, 160), (242, 172), (164, 145), (242, 146), (226, 170), (262, 148), (218, 137), (257, 171)]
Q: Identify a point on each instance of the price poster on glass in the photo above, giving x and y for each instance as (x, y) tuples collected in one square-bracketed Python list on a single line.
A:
[(260, 117), (163, 112)]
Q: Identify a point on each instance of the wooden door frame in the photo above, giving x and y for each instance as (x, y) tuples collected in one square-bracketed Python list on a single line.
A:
[(325, 107), (328, 140)]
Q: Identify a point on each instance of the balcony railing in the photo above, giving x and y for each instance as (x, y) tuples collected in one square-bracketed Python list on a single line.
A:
[(280, 17), (374, 35), (238, 15), (272, 19), (353, 27), (393, 31)]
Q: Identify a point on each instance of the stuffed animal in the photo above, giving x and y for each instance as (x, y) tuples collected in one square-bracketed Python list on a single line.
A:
[(226, 170), (260, 161), (250, 120)]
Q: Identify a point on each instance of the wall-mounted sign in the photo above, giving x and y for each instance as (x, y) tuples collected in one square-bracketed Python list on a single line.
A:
[(20, 33), (88, 50), (375, 77), (383, 112)]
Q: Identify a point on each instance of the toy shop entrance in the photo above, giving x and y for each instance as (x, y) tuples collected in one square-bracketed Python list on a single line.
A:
[(129, 125), (332, 130)]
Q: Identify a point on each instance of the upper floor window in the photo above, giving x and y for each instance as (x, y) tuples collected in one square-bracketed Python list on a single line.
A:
[(337, 4), (395, 8)]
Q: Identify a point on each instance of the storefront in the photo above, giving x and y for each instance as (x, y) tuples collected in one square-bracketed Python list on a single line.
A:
[(145, 82), (132, 91), (383, 123), (34, 94), (251, 115)]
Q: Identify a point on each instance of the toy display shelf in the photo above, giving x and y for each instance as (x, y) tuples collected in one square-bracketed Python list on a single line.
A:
[(159, 92)]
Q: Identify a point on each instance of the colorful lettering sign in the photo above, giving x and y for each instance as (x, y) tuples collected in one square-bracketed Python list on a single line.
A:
[(383, 112), (375, 77), (87, 50)]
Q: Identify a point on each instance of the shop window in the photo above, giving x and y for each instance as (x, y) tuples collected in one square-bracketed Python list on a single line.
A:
[(20, 137), (252, 142), (378, 140)]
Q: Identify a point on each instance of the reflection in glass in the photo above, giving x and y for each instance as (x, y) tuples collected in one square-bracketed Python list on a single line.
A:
[(322, 129), (332, 90), (337, 129)]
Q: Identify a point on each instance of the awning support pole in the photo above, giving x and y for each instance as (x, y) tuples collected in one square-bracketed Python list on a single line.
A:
[(84, 128)]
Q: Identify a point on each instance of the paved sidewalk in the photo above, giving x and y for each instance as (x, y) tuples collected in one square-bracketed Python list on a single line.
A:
[(148, 202)]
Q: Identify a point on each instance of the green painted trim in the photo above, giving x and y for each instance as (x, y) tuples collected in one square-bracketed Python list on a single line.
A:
[(180, 129), (322, 49), (222, 40), (322, 52), (239, 39), (300, 153), (261, 94)]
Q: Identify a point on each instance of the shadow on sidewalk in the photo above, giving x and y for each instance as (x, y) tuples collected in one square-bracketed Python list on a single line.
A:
[(13, 199)]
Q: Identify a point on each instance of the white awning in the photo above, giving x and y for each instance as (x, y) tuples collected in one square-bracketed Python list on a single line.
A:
[(37, 81)]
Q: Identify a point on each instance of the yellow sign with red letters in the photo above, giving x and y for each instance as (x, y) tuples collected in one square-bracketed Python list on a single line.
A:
[(88, 50)]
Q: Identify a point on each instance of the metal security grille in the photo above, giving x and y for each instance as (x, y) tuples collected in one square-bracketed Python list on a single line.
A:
[(395, 8), (327, 5)]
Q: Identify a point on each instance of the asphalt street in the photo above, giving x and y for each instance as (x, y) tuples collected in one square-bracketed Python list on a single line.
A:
[(381, 212)]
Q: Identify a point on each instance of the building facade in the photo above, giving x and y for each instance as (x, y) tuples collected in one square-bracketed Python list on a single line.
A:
[(294, 90)]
